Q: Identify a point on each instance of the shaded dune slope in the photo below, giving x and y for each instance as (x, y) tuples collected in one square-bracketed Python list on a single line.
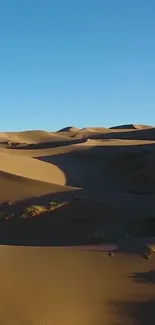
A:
[(108, 168), (132, 126), (55, 142), (135, 134), (81, 169), (69, 128)]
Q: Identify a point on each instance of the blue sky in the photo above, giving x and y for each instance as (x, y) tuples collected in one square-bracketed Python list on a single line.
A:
[(76, 62)]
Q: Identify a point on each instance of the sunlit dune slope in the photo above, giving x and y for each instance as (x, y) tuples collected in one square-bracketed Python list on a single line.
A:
[(36, 136), (31, 168), (17, 188)]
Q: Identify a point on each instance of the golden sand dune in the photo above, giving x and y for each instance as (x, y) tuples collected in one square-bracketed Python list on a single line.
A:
[(39, 139), (83, 146), (3, 137), (28, 136), (20, 188), (129, 132), (94, 162), (31, 168), (37, 136), (93, 129), (89, 186), (112, 142)]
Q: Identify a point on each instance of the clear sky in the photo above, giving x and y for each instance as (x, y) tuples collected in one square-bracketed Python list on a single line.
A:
[(76, 62)]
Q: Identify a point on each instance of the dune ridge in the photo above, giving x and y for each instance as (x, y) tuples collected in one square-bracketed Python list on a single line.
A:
[(132, 126)]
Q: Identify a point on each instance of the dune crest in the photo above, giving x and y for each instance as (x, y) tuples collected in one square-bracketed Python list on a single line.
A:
[(30, 136), (94, 129), (69, 128), (132, 127)]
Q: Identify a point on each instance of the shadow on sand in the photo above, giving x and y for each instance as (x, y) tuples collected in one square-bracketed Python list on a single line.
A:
[(47, 145), (133, 246), (103, 170), (73, 223), (138, 311), (144, 277)]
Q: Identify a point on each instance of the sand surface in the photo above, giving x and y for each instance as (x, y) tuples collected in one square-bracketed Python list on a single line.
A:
[(69, 286), (102, 182)]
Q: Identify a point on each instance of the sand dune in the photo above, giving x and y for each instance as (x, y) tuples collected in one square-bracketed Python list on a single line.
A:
[(99, 161), (69, 128), (132, 126), (28, 137), (20, 188), (129, 134), (3, 137), (113, 142), (93, 129), (31, 168), (102, 181)]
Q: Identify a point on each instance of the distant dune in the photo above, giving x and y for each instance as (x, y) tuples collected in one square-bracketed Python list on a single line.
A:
[(69, 128), (28, 137), (132, 127), (93, 129)]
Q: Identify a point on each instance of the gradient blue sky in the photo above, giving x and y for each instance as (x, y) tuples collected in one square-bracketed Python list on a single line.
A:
[(76, 62)]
